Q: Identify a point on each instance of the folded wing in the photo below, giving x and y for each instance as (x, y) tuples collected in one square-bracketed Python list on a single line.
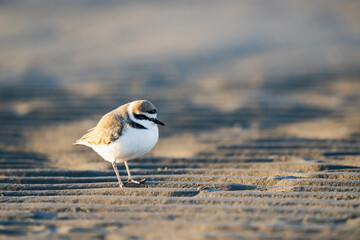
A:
[(108, 130)]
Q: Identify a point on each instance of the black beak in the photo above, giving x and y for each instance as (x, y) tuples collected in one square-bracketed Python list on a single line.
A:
[(158, 122)]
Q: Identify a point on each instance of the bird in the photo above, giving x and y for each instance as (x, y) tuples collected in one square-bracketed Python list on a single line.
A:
[(127, 132)]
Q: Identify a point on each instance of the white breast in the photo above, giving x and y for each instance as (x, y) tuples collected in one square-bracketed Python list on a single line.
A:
[(133, 143)]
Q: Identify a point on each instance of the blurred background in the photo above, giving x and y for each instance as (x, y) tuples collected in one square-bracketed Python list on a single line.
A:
[(218, 71)]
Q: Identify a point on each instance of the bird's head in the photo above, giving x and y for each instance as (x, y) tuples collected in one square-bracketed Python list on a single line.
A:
[(144, 110)]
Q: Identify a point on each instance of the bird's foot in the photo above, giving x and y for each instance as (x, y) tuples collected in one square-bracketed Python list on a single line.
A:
[(130, 180)]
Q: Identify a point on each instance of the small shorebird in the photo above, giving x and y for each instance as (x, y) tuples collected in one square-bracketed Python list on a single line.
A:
[(128, 132)]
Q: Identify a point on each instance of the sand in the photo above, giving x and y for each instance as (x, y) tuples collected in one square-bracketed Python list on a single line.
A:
[(262, 171)]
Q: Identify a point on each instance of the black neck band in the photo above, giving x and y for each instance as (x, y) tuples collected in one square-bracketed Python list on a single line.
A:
[(136, 125)]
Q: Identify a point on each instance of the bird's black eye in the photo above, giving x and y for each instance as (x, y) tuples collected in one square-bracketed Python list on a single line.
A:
[(141, 116), (152, 111)]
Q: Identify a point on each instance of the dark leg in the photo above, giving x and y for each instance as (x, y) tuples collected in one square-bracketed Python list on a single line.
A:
[(117, 174), (129, 178)]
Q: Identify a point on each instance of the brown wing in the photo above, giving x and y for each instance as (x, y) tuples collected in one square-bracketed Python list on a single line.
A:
[(108, 129)]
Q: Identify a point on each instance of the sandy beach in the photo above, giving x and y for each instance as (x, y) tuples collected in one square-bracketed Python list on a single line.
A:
[(261, 142)]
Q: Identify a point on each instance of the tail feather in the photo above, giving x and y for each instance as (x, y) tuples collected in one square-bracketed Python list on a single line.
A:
[(84, 139), (78, 142)]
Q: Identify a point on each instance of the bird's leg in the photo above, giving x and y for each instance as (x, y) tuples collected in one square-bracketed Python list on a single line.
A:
[(129, 178), (117, 174)]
